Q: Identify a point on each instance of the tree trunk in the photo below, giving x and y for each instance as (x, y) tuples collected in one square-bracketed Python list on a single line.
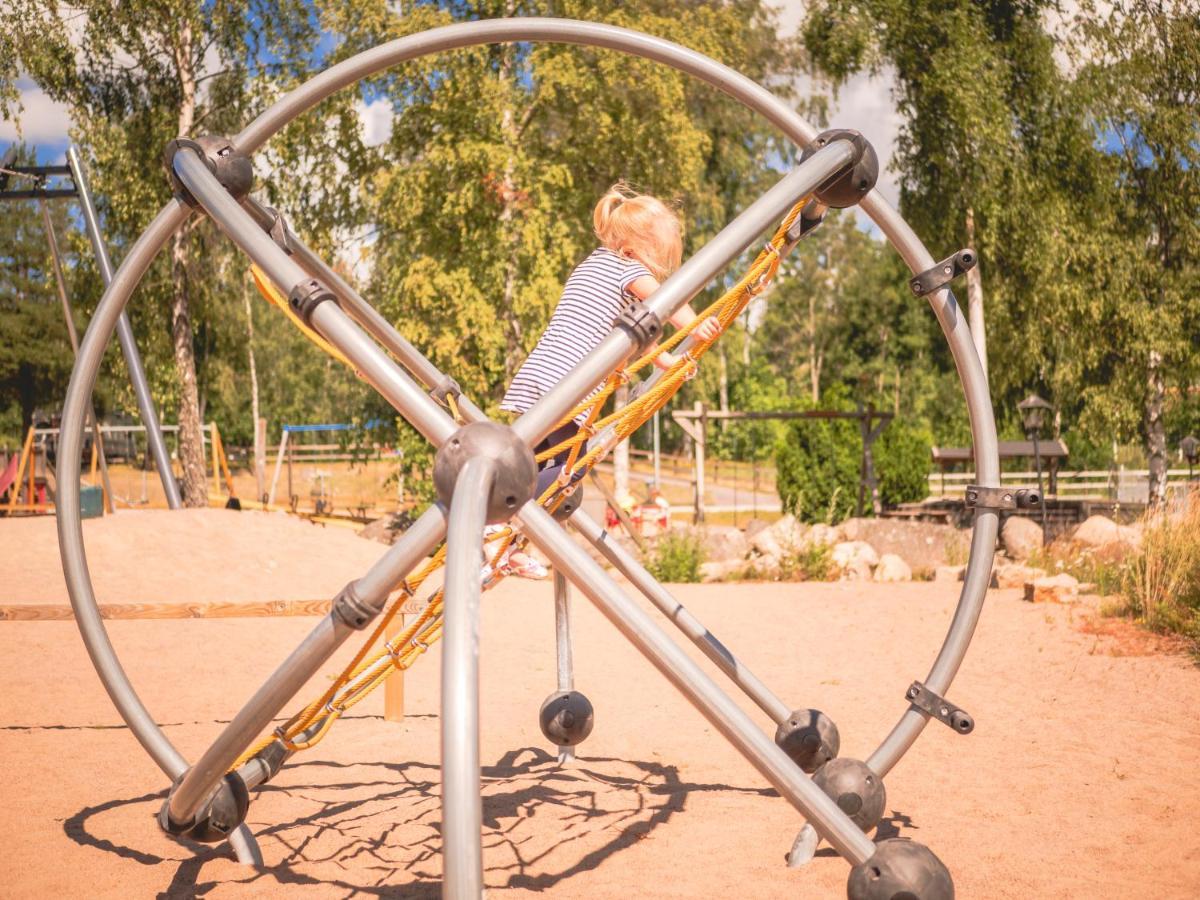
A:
[(723, 383), (191, 437), (510, 230), (1156, 437), (260, 473), (975, 317)]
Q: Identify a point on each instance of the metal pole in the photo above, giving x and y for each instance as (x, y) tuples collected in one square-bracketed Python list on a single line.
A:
[(718, 707), (462, 805), (562, 644), (691, 278), (61, 284), (133, 360), (1037, 462), (369, 592), (328, 318), (657, 453), (675, 611)]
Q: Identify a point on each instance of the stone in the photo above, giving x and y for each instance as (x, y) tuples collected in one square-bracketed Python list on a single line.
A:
[(923, 545), (765, 543), (754, 526), (719, 570), (1101, 531), (789, 532), (823, 534), (946, 574), (892, 568), (855, 560), (1014, 575), (725, 542), (1060, 588), (1021, 537)]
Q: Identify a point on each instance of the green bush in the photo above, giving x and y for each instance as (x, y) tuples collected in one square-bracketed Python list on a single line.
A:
[(677, 556), (817, 466), (902, 460)]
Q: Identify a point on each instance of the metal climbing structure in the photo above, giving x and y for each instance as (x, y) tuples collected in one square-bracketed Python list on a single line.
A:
[(487, 475)]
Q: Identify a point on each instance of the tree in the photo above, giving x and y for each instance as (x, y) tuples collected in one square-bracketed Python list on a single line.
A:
[(136, 75)]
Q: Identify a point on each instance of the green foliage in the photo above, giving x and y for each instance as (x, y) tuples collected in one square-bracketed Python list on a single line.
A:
[(817, 469), (1162, 583), (677, 556), (812, 561), (902, 463)]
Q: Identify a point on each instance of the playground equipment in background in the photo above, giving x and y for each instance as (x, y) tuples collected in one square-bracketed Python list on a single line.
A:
[(485, 472), (74, 170), (320, 481)]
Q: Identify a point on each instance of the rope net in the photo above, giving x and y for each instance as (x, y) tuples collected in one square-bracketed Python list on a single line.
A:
[(366, 671)]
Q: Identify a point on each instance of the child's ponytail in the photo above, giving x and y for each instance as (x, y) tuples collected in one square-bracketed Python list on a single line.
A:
[(640, 227), (605, 216)]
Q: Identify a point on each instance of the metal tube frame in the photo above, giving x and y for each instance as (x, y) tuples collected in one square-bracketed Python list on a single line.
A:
[(562, 648), (462, 803), (129, 349), (397, 388)]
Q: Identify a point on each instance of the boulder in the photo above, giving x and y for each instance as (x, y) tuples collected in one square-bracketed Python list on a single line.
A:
[(1014, 575), (789, 532), (765, 543), (754, 526), (923, 545), (855, 560), (725, 542), (719, 570), (1060, 588), (823, 534), (946, 574), (892, 568), (1101, 531), (1021, 537)]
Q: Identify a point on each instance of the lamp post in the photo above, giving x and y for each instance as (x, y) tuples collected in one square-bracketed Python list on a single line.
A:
[(1191, 452), (1033, 415)]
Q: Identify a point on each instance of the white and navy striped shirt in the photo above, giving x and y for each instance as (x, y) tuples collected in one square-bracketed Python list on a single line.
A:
[(592, 299)]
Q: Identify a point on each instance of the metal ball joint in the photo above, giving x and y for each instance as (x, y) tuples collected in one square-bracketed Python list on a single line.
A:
[(900, 870), (566, 718), (809, 737), (857, 791), (223, 811), (848, 187), (516, 469)]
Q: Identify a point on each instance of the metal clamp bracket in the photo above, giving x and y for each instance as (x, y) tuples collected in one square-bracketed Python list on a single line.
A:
[(306, 296), (231, 167), (644, 326), (943, 273), (980, 497), (941, 709), (444, 389), (279, 230)]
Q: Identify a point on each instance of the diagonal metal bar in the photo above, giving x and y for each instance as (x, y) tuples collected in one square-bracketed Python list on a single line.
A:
[(369, 593), (462, 805), (129, 350), (598, 537), (716, 706), (691, 278), (392, 382)]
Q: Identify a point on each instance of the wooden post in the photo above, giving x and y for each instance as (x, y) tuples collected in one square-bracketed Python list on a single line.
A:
[(260, 460), (699, 445), (393, 688)]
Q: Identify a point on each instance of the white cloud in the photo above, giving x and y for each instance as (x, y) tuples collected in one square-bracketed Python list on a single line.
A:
[(375, 120), (42, 120)]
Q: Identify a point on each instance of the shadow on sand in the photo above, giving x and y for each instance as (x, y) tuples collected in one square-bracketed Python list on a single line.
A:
[(373, 828)]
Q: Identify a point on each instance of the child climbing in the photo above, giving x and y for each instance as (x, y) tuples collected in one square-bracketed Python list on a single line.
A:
[(641, 244)]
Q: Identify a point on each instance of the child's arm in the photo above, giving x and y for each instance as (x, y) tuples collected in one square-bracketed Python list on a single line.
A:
[(646, 285)]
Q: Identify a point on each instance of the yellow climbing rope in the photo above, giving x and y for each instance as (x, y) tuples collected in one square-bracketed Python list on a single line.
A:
[(365, 673)]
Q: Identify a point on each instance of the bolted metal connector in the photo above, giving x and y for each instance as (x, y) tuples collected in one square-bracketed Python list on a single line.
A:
[(231, 167), (644, 326), (979, 497), (444, 389), (352, 609), (306, 296), (848, 186), (943, 273), (941, 709)]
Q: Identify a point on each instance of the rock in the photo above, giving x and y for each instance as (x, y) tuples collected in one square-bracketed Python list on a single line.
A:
[(1052, 589), (855, 560), (1101, 531), (386, 529), (923, 545), (1021, 537), (946, 574), (754, 526), (725, 542), (823, 534), (892, 568), (765, 543), (719, 570), (1014, 575), (789, 532)]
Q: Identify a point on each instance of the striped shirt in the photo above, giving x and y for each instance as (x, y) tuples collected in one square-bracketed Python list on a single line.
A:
[(592, 299)]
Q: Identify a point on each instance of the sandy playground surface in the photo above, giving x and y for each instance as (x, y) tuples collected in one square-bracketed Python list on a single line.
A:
[(1078, 781)]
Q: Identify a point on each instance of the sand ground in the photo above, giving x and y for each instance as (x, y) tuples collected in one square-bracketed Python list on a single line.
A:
[(1078, 781)]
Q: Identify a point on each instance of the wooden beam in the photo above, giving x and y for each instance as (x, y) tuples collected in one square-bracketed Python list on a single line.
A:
[(34, 612)]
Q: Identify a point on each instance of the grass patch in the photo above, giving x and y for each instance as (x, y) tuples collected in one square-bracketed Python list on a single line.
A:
[(1162, 582), (677, 556)]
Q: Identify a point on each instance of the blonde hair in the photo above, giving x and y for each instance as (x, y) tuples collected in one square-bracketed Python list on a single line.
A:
[(640, 227)]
